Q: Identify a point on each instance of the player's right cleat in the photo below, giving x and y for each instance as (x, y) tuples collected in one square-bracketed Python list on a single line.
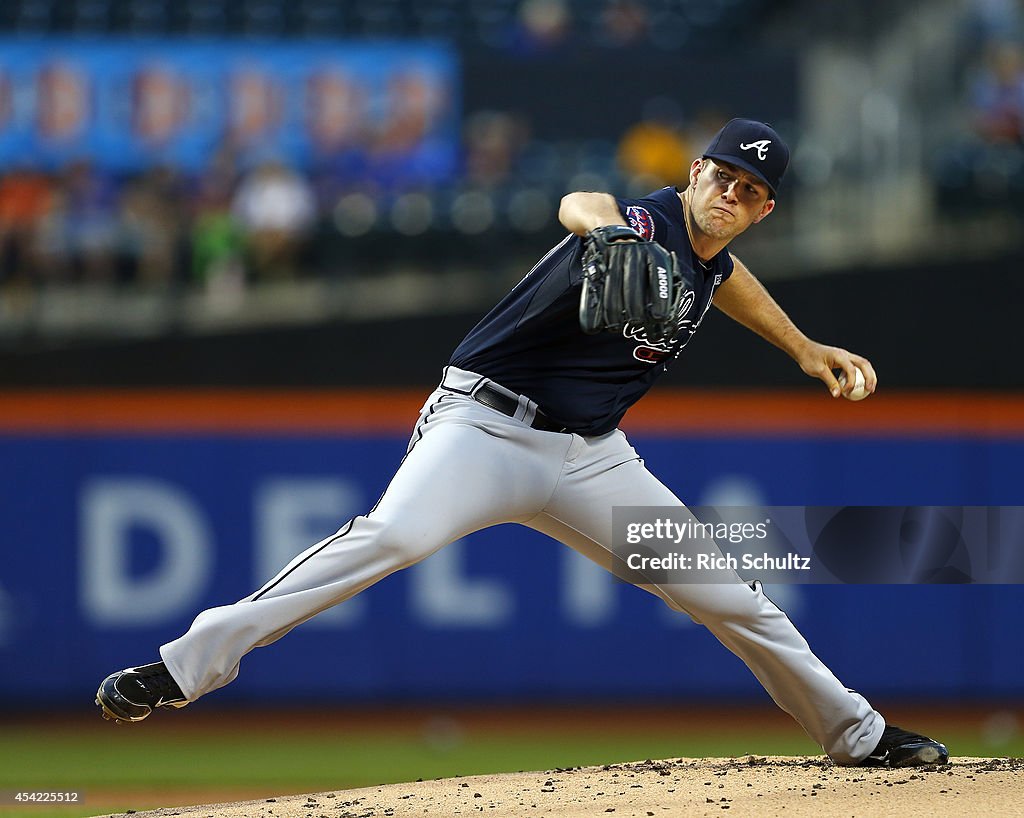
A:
[(135, 692), (900, 748)]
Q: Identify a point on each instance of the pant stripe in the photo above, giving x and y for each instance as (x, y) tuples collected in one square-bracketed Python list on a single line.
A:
[(329, 541)]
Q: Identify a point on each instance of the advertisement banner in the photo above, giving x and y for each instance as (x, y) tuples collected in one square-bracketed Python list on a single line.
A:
[(112, 543), (378, 110)]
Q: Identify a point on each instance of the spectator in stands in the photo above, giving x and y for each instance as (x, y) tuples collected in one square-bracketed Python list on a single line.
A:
[(624, 23), (152, 224), (997, 96), (655, 151), (541, 26), (338, 123), (993, 20), (404, 149), (76, 238), (217, 241), (25, 197), (276, 209), (89, 221), (493, 141)]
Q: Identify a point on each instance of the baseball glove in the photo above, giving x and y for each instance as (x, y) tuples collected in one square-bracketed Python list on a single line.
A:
[(629, 280)]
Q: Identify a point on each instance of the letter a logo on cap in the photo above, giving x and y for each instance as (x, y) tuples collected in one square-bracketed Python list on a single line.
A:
[(739, 137), (762, 148)]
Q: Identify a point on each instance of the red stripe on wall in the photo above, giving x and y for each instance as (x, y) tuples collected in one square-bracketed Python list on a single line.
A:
[(210, 411), (814, 412), (698, 412)]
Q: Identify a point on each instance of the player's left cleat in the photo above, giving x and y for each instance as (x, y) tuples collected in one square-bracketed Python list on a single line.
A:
[(900, 748), (132, 694)]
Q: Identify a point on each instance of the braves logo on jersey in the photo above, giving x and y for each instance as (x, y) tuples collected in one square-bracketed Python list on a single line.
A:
[(652, 353), (686, 326), (640, 220)]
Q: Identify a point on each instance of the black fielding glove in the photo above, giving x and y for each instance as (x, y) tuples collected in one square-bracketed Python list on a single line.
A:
[(629, 280)]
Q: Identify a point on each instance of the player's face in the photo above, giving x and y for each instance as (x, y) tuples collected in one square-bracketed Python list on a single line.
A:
[(727, 199)]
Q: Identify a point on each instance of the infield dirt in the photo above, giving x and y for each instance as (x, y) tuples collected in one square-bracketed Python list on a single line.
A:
[(750, 785)]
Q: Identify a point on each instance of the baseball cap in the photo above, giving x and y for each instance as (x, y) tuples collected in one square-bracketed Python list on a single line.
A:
[(753, 146)]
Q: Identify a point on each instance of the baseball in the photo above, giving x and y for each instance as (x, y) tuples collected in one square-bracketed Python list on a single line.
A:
[(858, 392)]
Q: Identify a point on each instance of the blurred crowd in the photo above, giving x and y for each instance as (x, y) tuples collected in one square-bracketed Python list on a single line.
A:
[(525, 26), (270, 222), (985, 166), (241, 221), (155, 228)]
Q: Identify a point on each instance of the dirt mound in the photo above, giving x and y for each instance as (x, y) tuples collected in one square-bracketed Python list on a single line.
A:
[(765, 786)]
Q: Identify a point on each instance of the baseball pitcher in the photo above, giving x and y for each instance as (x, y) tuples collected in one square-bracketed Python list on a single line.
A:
[(523, 428)]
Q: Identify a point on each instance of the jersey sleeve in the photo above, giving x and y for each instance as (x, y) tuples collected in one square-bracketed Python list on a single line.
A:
[(646, 217)]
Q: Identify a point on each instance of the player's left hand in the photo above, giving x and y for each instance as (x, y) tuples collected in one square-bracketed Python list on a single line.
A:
[(628, 280), (818, 361)]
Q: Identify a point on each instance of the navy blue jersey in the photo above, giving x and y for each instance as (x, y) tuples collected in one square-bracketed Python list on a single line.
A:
[(531, 342)]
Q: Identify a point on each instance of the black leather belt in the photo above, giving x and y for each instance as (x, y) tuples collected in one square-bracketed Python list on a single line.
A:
[(507, 405)]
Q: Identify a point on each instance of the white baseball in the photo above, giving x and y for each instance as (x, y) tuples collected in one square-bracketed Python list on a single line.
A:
[(858, 392)]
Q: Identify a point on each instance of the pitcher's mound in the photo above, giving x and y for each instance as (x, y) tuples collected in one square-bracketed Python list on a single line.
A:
[(750, 785)]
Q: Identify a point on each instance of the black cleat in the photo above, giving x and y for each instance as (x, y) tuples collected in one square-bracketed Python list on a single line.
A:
[(898, 748), (132, 694)]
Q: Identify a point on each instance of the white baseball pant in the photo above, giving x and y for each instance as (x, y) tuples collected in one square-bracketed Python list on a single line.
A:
[(469, 467)]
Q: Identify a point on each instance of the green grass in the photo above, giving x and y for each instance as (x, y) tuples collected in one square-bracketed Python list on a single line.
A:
[(343, 761), (285, 761)]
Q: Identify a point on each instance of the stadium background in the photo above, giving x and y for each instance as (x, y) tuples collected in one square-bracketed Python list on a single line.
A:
[(237, 242)]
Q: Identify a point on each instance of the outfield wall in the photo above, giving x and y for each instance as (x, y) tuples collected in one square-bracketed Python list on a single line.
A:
[(126, 513)]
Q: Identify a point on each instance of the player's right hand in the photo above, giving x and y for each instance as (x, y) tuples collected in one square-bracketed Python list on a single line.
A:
[(819, 361)]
